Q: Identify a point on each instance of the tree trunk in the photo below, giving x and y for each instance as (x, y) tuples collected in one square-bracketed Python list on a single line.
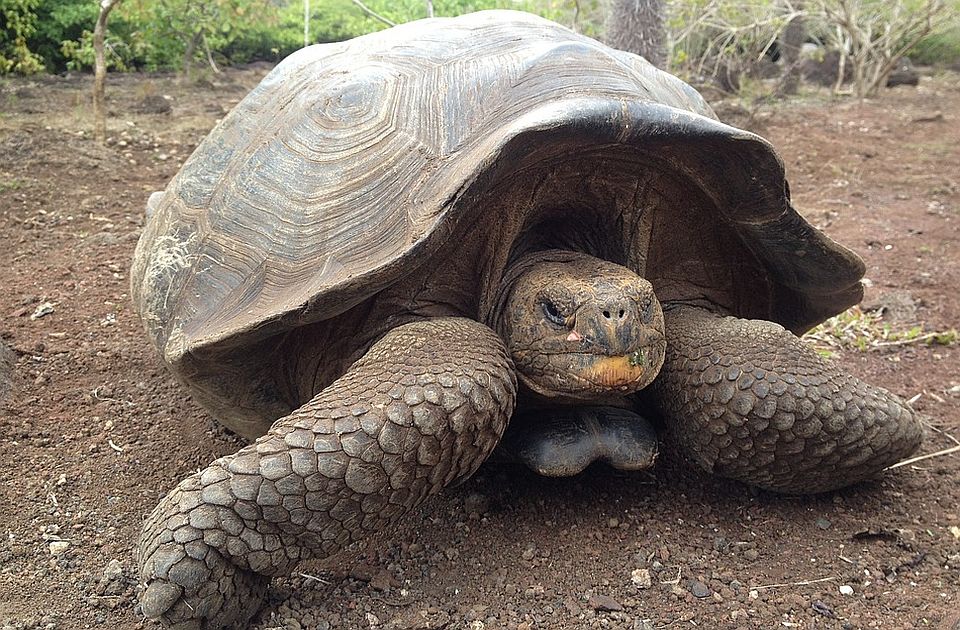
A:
[(189, 52), (100, 70), (306, 23), (791, 41), (637, 26)]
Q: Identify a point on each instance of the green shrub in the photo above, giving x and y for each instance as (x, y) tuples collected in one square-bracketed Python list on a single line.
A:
[(163, 34), (18, 21), (938, 49)]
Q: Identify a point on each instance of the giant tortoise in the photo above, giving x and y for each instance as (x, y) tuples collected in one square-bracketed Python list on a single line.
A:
[(394, 243)]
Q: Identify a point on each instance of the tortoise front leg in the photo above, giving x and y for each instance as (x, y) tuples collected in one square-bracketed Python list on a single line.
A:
[(423, 408), (749, 401)]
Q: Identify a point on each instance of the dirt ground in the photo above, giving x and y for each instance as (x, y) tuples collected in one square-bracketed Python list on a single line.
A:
[(95, 430)]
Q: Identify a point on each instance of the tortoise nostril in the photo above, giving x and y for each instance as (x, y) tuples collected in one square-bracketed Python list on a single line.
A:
[(621, 313), (606, 314)]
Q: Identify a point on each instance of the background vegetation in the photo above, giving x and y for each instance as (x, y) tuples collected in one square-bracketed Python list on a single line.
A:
[(703, 37)]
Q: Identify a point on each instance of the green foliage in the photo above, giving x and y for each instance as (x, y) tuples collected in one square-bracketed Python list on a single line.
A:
[(939, 49), (336, 20), (59, 21), (863, 331), (18, 21), (176, 34)]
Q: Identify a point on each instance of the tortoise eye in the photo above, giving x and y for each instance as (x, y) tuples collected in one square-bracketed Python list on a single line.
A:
[(552, 313)]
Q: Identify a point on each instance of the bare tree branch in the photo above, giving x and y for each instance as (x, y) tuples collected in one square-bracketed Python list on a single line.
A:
[(373, 13)]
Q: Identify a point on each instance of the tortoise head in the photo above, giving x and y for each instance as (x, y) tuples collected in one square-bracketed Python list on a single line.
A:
[(577, 326)]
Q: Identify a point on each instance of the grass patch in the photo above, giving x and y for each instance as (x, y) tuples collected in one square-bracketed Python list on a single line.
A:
[(864, 331), (10, 184)]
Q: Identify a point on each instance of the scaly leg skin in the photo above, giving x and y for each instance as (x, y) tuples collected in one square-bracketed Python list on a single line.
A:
[(422, 409), (748, 400)]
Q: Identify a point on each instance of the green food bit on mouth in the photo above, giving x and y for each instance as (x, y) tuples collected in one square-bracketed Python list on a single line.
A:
[(638, 358)]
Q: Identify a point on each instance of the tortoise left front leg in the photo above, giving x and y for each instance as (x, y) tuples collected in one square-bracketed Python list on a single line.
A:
[(748, 400), (419, 411)]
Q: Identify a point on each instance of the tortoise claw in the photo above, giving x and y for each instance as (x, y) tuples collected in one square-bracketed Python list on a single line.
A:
[(211, 594), (158, 598)]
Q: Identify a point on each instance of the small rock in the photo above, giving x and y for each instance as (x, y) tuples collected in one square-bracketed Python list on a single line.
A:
[(114, 571), (613, 523), (641, 578), (895, 306), (58, 547), (153, 104), (643, 624), (699, 589), (823, 609), (42, 310), (604, 602), (823, 523), (382, 581), (904, 73), (846, 589), (529, 553), (751, 554)]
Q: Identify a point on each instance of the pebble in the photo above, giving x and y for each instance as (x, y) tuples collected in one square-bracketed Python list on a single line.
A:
[(699, 589), (823, 609), (58, 547), (751, 554), (613, 523), (823, 523), (604, 602), (641, 578), (846, 589), (529, 553), (114, 571)]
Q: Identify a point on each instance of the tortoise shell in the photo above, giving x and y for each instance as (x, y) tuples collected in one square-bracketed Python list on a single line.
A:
[(351, 164)]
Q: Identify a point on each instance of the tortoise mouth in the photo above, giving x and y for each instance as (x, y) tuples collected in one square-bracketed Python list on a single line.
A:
[(618, 371), (586, 374)]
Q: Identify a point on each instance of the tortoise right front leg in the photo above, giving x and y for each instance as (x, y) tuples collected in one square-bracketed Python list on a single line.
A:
[(748, 400), (423, 408)]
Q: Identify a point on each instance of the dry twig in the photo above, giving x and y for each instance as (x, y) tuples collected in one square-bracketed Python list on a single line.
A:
[(801, 583)]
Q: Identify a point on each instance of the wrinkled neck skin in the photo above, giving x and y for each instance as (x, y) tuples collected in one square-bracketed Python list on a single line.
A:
[(579, 329)]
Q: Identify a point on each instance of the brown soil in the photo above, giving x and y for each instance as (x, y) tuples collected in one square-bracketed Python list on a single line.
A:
[(96, 430)]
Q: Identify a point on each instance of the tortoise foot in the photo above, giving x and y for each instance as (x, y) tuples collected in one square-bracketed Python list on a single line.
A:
[(193, 586), (562, 442)]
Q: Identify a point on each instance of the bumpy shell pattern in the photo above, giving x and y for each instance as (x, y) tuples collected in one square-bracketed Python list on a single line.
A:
[(351, 163)]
